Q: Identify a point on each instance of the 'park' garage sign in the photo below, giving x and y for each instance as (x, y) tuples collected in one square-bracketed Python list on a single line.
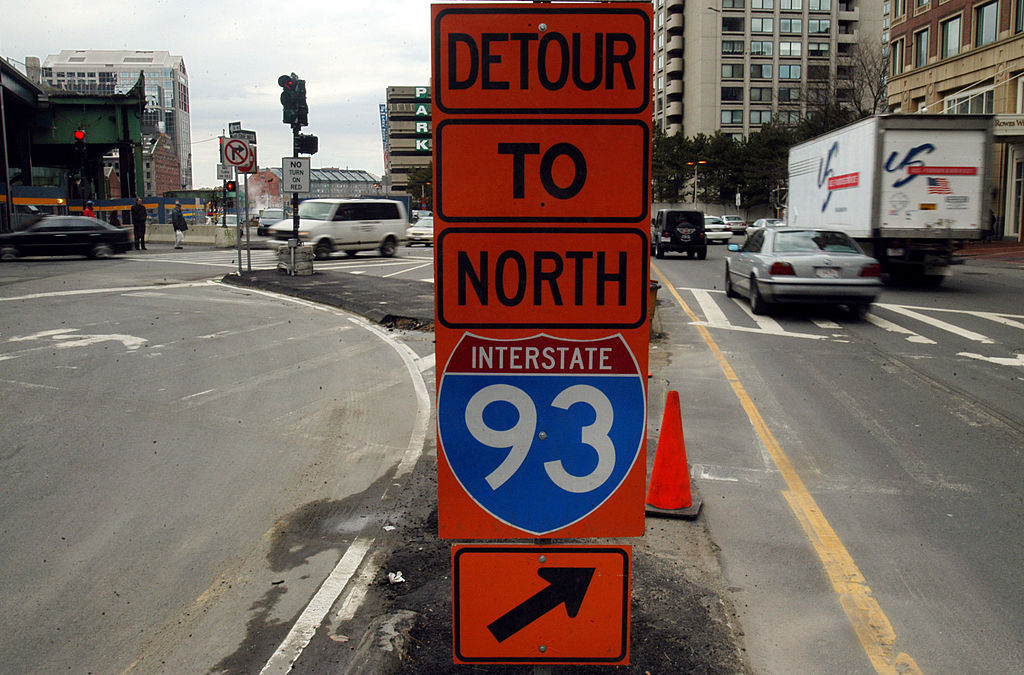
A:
[(541, 187)]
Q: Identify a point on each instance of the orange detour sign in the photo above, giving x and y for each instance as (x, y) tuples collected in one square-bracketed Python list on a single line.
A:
[(541, 604), (542, 133)]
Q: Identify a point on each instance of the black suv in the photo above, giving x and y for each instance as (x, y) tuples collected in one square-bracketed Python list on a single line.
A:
[(678, 230)]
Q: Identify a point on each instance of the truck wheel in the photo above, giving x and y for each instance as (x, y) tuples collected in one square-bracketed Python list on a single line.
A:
[(702, 253), (660, 253), (933, 280), (323, 249), (758, 305)]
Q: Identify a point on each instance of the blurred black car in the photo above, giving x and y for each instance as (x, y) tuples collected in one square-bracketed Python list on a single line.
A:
[(65, 235)]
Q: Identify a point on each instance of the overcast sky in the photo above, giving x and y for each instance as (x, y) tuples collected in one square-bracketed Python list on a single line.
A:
[(348, 51)]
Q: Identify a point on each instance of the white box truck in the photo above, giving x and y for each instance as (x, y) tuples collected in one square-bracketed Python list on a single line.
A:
[(911, 189)]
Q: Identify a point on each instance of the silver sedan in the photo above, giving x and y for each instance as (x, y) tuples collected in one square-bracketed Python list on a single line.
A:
[(802, 266)]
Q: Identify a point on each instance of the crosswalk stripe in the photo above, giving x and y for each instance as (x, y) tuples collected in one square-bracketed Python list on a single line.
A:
[(885, 324), (940, 324)]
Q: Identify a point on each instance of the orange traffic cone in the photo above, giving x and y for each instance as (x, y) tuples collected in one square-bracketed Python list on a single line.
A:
[(669, 493)]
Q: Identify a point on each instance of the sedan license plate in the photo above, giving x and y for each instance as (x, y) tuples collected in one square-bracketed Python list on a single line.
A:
[(827, 272)]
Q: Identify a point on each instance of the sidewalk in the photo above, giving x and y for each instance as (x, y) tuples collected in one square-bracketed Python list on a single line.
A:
[(1007, 251)]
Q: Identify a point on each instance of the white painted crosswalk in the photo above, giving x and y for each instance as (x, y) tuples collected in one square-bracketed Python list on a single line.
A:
[(961, 330)]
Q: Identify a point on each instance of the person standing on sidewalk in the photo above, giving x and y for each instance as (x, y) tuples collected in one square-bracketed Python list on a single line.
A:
[(139, 216), (179, 224)]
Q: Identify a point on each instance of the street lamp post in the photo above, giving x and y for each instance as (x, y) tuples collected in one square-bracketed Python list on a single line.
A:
[(696, 164)]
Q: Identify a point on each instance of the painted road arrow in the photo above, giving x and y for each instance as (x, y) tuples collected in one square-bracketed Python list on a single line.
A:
[(566, 585)]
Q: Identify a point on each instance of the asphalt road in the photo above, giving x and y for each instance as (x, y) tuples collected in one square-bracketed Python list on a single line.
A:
[(183, 463), (862, 478)]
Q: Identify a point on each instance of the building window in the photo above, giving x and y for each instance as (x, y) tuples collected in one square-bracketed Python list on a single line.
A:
[(761, 25), (818, 26), (732, 117), (817, 72), (732, 94), (788, 71), (732, 4), (899, 8), (921, 3), (790, 48), (791, 4), (761, 47), (730, 70), (760, 117), (761, 94), (818, 49), (986, 18), (820, 5), (896, 54), (732, 24), (977, 102), (789, 94), (1018, 20), (732, 46), (761, 71), (921, 48), (790, 25), (762, 4)]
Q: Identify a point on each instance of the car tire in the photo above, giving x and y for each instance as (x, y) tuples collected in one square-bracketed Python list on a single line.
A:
[(323, 249), (702, 254), (690, 254), (8, 253), (101, 251), (857, 312), (730, 292), (660, 253), (758, 305), (387, 249), (351, 253)]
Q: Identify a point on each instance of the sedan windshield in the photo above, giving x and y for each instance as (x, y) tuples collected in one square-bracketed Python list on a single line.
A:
[(315, 210), (813, 241)]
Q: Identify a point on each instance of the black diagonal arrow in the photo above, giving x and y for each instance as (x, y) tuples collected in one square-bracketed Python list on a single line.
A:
[(565, 585)]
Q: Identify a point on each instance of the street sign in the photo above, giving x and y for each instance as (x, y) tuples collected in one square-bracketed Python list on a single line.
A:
[(250, 167), (233, 127), (544, 257), (547, 429), (223, 172), (541, 604), (237, 152), (296, 174), (245, 135)]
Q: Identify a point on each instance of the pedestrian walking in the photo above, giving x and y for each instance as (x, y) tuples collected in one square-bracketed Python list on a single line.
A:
[(87, 211), (139, 216), (179, 225), (115, 219)]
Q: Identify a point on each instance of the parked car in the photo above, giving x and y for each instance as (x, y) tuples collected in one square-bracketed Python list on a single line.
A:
[(349, 225), (783, 265), (736, 224), (268, 217), (768, 222), (716, 229), (66, 235), (421, 232), (680, 231)]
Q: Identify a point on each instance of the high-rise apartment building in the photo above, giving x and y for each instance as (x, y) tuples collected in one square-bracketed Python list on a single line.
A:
[(406, 126), (736, 64), (116, 72), (966, 57)]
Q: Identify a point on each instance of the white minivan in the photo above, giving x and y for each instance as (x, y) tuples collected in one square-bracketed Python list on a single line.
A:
[(348, 225)]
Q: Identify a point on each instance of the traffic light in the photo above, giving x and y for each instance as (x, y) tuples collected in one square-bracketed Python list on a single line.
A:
[(306, 143), (293, 100), (79, 136), (230, 187)]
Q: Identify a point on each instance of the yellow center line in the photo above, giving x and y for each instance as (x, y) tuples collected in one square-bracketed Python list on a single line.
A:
[(872, 626)]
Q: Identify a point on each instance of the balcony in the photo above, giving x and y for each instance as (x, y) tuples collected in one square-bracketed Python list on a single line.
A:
[(675, 44), (674, 89), (674, 23)]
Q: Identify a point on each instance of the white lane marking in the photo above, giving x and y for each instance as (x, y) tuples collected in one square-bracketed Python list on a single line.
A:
[(429, 281), (41, 334), (712, 312), (357, 594), (745, 329), (311, 618), (411, 269), (198, 393), (825, 324), (999, 318), (425, 363), (358, 272), (938, 323), (1017, 360), (887, 325), (29, 385), (91, 291)]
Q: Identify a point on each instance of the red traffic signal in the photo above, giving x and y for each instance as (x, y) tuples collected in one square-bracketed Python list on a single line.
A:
[(230, 186), (79, 136)]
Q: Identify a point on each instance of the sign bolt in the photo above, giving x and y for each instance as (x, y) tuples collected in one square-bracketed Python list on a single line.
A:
[(543, 649), (543, 435), (543, 558), (542, 27)]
